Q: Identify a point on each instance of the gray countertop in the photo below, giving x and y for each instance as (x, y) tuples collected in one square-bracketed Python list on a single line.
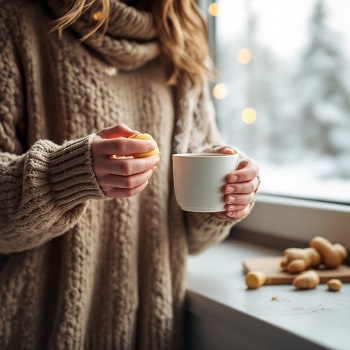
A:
[(216, 282)]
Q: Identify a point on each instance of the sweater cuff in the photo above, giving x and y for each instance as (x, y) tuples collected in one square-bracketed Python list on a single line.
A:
[(207, 229), (72, 179)]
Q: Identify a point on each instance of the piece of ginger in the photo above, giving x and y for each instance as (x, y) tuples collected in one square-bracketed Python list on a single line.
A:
[(296, 260), (255, 279), (332, 254), (148, 137), (307, 280), (334, 284)]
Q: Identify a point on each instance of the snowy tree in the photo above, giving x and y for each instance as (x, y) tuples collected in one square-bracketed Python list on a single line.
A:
[(323, 91)]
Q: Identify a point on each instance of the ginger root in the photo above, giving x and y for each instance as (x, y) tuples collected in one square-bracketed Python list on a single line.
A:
[(334, 284), (255, 279), (296, 260), (148, 137), (307, 280), (332, 254)]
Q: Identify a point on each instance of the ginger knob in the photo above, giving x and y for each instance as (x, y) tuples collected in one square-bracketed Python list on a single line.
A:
[(332, 254), (255, 279), (296, 260), (307, 280), (148, 137), (334, 284)]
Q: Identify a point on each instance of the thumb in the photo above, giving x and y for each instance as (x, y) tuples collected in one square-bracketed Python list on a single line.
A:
[(112, 132), (242, 163), (226, 150)]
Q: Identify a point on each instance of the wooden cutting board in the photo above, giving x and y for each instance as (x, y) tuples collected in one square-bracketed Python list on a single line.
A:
[(271, 266)]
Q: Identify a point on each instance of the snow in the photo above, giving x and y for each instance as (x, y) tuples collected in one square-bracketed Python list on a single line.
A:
[(303, 180)]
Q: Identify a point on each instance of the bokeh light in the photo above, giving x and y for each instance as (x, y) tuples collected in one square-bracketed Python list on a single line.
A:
[(220, 91), (214, 9), (244, 56), (248, 115), (97, 16)]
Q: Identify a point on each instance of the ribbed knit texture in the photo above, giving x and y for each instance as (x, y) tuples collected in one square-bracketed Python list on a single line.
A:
[(78, 270)]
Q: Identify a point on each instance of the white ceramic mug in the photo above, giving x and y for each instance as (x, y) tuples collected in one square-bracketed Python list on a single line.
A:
[(199, 179)]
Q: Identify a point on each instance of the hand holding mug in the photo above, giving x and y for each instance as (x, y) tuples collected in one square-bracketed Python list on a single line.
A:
[(217, 182), (240, 190)]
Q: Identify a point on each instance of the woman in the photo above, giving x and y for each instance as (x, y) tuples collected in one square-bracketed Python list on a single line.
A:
[(94, 246)]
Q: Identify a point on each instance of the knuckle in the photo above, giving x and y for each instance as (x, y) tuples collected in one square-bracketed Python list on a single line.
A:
[(119, 127), (95, 145), (125, 167), (120, 147), (129, 182), (108, 193), (239, 200), (250, 187)]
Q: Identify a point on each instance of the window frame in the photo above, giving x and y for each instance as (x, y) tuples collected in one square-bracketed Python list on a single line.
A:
[(286, 217), (298, 219)]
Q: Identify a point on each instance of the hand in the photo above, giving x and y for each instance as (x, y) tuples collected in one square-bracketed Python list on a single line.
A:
[(239, 192), (117, 174)]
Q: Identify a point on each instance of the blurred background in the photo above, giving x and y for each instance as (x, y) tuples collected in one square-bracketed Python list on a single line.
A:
[(282, 93)]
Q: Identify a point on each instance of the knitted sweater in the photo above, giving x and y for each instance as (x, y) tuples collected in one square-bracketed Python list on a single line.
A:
[(79, 270)]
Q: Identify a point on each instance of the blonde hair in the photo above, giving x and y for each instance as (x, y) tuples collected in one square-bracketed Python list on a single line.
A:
[(78, 8), (181, 27)]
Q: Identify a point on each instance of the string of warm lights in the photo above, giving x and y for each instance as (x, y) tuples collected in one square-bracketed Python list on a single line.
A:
[(243, 56)]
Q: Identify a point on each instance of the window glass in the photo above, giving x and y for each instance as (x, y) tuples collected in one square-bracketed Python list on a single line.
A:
[(283, 91)]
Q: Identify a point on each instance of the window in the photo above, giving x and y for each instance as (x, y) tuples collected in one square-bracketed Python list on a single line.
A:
[(283, 96), (283, 91)]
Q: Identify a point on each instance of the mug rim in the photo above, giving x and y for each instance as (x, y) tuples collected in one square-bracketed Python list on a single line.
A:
[(192, 155)]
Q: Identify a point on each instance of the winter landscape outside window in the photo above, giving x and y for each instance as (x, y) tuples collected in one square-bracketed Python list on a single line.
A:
[(283, 91)]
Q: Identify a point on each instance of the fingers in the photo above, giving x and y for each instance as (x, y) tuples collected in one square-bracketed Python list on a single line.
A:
[(235, 214), (117, 175), (125, 192), (240, 190), (121, 146), (225, 150), (241, 187), (126, 166), (248, 171), (128, 182), (116, 131), (124, 177)]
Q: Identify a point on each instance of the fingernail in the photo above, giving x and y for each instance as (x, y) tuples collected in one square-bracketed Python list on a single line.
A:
[(231, 199), (151, 145), (156, 160), (154, 168), (230, 189), (233, 178), (231, 208)]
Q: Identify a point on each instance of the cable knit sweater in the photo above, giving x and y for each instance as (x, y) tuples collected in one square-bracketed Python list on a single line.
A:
[(79, 270)]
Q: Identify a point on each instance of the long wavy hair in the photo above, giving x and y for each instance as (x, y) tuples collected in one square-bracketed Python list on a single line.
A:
[(181, 27)]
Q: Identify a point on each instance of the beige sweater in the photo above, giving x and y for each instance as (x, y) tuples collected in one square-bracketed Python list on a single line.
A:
[(79, 270)]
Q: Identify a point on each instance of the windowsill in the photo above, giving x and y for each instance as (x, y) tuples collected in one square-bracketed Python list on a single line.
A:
[(223, 314), (299, 219)]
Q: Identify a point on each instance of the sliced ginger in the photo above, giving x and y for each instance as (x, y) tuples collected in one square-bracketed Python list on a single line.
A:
[(255, 279), (148, 137)]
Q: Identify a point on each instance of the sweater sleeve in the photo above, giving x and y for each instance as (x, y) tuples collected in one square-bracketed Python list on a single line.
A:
[(206, 229), (44, 189)]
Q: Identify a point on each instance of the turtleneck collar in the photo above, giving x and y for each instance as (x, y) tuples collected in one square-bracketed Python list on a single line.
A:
[(131, 37)]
